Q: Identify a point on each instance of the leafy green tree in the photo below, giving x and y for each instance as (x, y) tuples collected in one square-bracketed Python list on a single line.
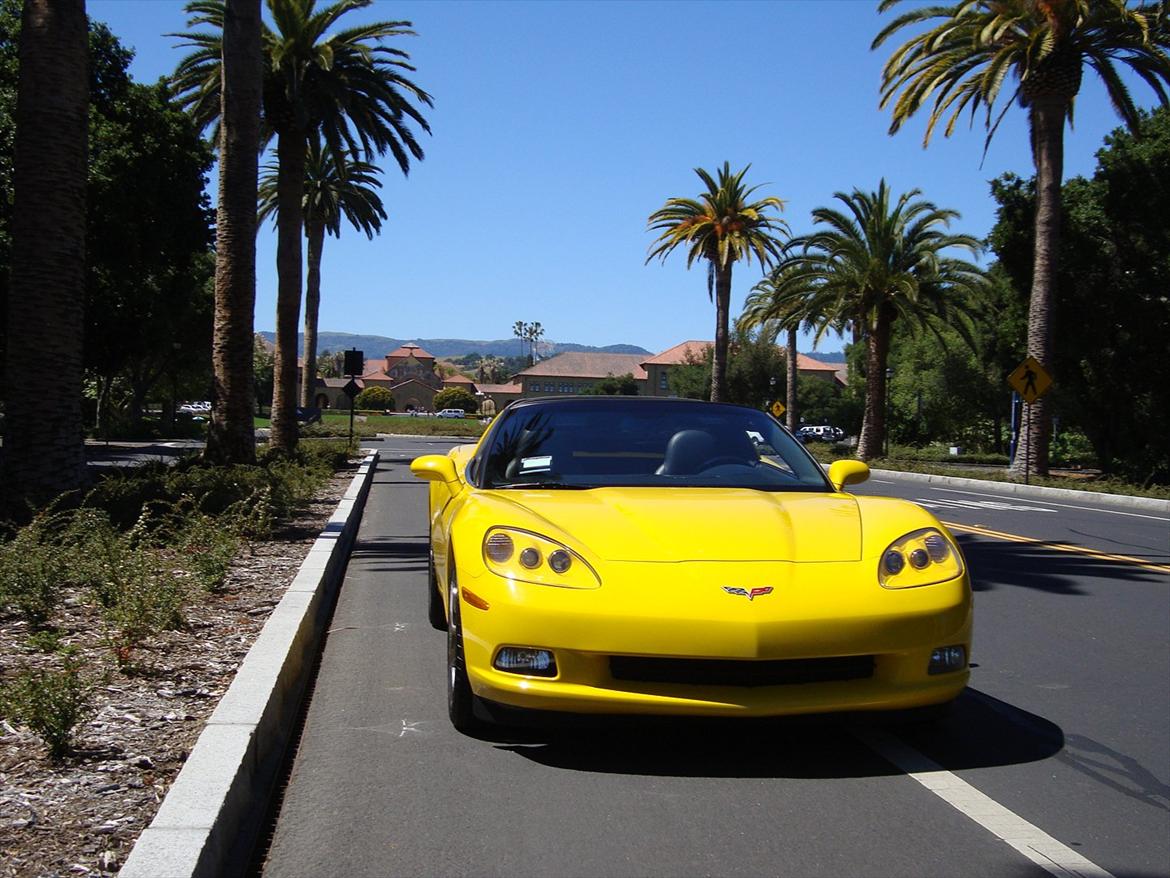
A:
[(614, 385), (879, 261), (778, 304), (148, 312), (374, 399), (756, 367), (455, 398), (337, 187), (1111, 308), (345, 87), (722, 226), (262, 372), (962, 60), (692, 378), (824, 402), (43, 450)]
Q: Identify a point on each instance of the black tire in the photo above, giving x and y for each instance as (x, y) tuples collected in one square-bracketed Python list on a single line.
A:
[(435, 614), (460, 699)]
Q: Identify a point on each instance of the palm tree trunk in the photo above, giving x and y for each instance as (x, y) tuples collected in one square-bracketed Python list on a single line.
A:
[(722, 311), (877, 349), (290, 185), (1047, 119), (316, 238), (790, 379), (231, 437), (44, 451)]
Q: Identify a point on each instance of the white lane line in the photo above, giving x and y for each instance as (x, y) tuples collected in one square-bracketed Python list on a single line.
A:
[(1035, 844), (986, 505), (1062, 505)]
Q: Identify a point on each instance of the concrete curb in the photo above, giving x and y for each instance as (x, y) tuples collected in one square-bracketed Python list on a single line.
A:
[(1035, 492), (210, 818)]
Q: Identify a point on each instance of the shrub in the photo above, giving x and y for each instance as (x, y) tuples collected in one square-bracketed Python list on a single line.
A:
[(375, 399), (455, 398), (33, 568), (51, 702)]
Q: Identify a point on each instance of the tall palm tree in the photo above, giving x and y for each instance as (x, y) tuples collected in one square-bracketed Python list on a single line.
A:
[(345, 87), (961, 61), (723, 227), (336, 187), (43, 453), (231, 437), (779, 303), (877, 262)]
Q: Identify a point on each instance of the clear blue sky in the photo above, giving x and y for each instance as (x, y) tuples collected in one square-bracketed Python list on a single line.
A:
[(558, 127)]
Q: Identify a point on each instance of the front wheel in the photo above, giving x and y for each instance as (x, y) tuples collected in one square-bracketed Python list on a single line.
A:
[(460, 699)]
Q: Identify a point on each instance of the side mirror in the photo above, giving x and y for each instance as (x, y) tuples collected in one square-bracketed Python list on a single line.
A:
[(434, 468), (847, 472)]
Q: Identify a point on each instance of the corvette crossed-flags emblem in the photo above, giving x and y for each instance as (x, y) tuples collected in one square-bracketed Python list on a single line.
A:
[(750, 594)]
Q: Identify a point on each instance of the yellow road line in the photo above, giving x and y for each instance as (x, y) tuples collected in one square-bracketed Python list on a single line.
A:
[(1059, 547)]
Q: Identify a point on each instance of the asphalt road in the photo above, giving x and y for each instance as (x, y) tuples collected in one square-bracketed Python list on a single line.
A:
[(1061, 745)]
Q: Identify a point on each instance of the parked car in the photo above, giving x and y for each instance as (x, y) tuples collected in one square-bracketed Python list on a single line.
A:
[(451, 413), (821, 433), (666, 556)]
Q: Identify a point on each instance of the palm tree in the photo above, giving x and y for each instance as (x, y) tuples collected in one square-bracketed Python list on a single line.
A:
[(878, 262), (779, 303), (962, 61), (43, 453), (231, 437), (336, 187), (344, 87), (721, 226)]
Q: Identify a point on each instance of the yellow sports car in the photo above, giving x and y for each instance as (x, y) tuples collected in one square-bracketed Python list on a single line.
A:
[(667, 556)]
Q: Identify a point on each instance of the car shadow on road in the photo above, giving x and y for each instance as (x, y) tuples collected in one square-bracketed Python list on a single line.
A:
[(1043, 566), (979, 731)]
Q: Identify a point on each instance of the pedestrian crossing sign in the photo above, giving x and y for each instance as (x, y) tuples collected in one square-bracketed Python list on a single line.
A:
[(1030, 380), (778, 409)]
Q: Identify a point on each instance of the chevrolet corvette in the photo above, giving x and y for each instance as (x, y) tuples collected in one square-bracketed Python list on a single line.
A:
[(621, 555)]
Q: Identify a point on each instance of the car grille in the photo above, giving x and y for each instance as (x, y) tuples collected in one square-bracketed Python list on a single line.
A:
[(721, 672)]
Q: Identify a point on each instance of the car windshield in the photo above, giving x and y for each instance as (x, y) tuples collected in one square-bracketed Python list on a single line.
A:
[(621, 442)]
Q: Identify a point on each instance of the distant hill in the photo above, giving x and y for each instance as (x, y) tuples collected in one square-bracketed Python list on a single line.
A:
[(379, 345), (831, 357)]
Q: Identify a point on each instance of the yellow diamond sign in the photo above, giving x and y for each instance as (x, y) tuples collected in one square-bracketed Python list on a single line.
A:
[(778, 409), (1030, 380)]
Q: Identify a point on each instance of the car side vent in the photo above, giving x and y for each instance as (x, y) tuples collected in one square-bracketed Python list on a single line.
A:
[(721, 672)]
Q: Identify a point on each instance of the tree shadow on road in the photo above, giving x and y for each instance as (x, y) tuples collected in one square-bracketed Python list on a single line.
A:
[(1044, 567)]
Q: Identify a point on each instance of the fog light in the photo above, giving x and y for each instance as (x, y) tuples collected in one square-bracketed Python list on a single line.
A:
[(946, 659), (525, 660), (530, 558)]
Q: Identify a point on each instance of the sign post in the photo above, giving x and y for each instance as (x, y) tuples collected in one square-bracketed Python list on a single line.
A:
[(354, 361), (1030, 381)]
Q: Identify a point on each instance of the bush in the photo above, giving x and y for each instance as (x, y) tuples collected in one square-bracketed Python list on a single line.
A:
[(375, 398), (455, 398), (51, 702), (34, 567)]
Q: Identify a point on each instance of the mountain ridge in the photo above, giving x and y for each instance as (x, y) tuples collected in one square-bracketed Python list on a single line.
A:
[(374, 346)]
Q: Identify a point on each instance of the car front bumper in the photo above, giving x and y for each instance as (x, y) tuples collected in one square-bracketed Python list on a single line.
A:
[(674, 623)]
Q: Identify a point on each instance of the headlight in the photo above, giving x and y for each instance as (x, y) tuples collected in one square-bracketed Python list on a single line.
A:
[(924, 557), (528, 557)]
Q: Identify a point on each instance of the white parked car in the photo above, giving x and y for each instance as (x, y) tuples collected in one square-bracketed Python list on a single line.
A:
[(450, 413)]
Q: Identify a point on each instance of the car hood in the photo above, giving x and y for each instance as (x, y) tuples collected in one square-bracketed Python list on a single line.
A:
[(696, 524)]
